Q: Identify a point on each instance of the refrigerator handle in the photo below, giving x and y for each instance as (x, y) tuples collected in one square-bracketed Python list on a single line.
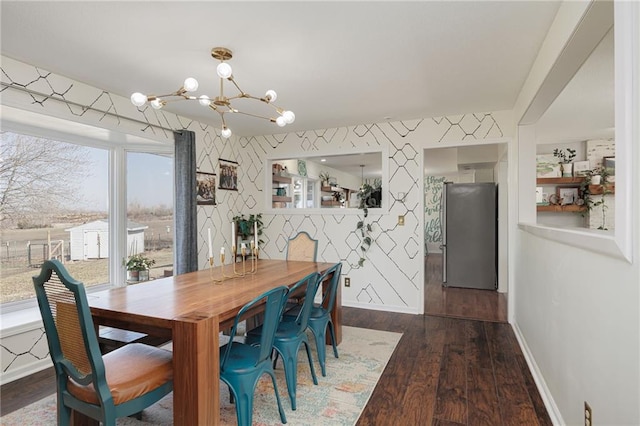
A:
[(443, 230)]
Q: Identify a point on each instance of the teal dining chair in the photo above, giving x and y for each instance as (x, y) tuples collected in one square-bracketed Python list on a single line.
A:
[(290, 335), (320, 316), (242, 364), (119, 384)]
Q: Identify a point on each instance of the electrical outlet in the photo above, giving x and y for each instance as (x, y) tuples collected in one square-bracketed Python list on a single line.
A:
[(347, 282), (401, 220), (588, 417)]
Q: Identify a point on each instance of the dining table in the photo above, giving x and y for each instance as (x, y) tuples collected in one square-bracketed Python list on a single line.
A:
[(190, 310)]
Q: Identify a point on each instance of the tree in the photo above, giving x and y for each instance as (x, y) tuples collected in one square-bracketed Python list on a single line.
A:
[(38, 175)]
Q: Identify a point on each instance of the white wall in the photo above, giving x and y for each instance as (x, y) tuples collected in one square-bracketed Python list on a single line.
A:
[(577, 311)]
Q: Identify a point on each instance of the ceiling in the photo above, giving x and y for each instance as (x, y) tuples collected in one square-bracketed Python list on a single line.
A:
[(333, 63)]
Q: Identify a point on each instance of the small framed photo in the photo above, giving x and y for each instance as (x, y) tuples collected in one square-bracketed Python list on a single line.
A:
[(228, 175), (205, 188), (567, 194), (580, 168)]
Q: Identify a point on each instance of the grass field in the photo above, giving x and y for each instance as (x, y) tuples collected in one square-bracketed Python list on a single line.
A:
[(16, 273)]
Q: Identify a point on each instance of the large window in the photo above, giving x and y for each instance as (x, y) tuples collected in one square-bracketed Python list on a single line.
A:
[(150, 211), (62, 194)]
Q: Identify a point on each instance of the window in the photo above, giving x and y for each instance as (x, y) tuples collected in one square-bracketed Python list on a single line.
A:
[(59, 199), (150, 210)]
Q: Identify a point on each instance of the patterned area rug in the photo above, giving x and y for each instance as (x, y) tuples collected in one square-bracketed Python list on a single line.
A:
[(338, 399)]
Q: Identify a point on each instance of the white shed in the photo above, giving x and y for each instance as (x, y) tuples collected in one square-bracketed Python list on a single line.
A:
[(91, 240)]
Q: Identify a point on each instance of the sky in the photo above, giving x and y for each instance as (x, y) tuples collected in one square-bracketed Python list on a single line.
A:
[(149, 180)]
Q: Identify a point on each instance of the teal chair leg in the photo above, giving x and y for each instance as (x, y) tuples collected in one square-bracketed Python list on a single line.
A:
[(289, 354), (243, 396), (333, 339), (275, 387), (319, 336)]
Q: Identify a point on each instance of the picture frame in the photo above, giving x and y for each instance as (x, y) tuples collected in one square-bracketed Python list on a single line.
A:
[(609, 164), (547, 166), (205, 188), (228, 175), (580, 168), (568, 195)]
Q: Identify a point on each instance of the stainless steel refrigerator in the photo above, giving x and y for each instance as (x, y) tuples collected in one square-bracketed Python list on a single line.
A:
[(469, 220)]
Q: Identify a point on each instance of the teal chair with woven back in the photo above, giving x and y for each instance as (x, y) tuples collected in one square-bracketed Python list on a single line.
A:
[(320, 316), (121, 383), (242, 364), (290, 335)]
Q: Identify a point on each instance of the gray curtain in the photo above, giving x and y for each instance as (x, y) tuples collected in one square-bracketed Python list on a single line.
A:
[(185, 211)]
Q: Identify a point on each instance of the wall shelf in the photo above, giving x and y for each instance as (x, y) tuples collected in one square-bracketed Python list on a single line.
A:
[(559, 180), (599, 189), (562, 209)]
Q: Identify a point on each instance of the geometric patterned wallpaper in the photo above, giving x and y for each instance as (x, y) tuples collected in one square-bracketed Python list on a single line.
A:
[(391, 278)]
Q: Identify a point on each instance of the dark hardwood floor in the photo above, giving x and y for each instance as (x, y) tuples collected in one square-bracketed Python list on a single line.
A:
[(484, 305), (446, 370)]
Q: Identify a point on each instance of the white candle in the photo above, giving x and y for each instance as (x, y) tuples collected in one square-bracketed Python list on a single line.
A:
[(233, 233), (222, 250), (210, 246), (255, 233)]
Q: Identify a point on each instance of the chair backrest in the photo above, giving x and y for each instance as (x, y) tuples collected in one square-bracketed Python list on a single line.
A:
[(310, 283), (71, 336), (302, 247), (274, 301), (329, 296)]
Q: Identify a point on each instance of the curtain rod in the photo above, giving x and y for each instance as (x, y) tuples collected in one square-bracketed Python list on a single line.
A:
[(84, 107)]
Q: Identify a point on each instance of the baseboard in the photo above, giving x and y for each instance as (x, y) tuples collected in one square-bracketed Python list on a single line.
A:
[(545, 393), (25, 370), (396, 309)]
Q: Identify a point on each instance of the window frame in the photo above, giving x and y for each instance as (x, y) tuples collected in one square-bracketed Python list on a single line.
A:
[(117, 144)]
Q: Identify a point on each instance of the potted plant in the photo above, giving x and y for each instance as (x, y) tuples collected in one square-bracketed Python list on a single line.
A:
[(138, 266), (596, 177), (565, 156), (245, 225), (324, 178)]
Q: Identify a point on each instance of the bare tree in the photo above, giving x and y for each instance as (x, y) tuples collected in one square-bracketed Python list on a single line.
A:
[(38, 175)]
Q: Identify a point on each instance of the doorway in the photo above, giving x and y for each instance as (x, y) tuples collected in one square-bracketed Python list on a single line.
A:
[(464, 164)]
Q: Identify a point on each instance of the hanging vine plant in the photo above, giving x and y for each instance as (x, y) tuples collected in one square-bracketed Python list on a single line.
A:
[(365, 229)]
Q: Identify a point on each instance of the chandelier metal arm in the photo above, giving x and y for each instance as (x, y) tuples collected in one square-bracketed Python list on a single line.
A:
[(216, 103)]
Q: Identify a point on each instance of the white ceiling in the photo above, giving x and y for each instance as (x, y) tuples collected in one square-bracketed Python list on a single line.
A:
[(333, 63)]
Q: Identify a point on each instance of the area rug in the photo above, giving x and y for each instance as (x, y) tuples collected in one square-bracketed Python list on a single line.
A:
[(338, 399)]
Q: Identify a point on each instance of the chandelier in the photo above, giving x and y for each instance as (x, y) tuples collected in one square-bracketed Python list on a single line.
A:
[(221, 103)]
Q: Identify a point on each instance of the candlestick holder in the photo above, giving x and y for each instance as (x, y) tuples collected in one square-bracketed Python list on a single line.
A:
[(254, 259), (211, 271), (233, 250), (243, 253)]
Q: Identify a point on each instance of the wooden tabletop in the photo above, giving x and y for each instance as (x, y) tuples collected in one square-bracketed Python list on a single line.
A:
[(189, 310)]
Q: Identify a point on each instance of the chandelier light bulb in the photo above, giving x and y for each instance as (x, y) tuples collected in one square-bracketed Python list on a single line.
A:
[(289, 117), (204, 100), (226, 133), (271, 95), (280, 121), (190, 84), (156, 104), (138, 99), (224, 70)]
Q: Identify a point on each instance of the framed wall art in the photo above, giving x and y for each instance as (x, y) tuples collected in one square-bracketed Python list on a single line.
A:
[(228, 175), (205, 188), (567, 194)]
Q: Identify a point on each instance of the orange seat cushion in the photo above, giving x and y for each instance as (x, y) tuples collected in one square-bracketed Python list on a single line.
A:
[(131, 371)]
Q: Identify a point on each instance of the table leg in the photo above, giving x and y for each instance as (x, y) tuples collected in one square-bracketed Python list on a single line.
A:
[(196, 370), (336, 313)]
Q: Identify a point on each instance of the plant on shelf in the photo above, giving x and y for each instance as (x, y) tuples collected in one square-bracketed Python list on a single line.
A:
[(324, 178), (596, 177), (246, 225), (565, 156)]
